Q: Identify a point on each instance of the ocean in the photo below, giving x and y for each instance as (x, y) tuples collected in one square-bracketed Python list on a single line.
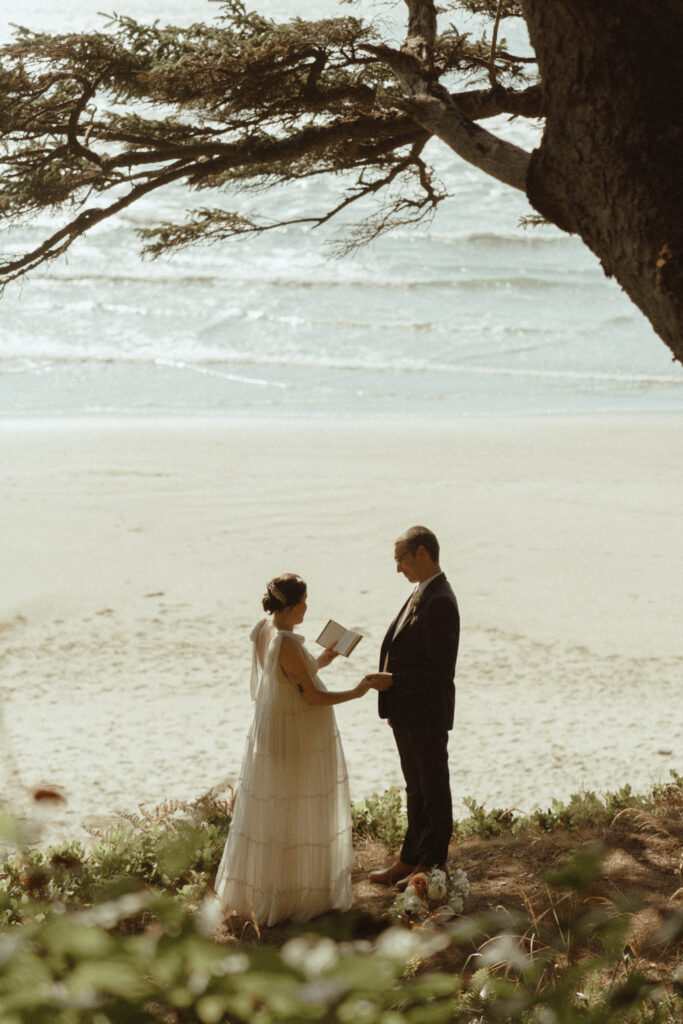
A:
[(467, 315)]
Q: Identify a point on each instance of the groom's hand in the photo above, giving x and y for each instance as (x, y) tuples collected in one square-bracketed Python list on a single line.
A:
[(380, 680)]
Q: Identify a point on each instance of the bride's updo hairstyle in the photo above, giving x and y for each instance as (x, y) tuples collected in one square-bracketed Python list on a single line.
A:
[(283, 592)]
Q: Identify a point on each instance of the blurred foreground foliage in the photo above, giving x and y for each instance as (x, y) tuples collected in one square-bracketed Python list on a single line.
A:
[(125, 932)]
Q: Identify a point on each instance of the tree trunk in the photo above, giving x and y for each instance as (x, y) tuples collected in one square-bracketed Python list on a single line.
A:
[(610, 164)]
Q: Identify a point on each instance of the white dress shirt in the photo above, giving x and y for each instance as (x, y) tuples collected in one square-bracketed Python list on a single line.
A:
[(414, 597)]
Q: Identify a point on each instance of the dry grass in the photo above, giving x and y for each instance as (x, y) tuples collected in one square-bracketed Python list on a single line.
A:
[(643, 867)]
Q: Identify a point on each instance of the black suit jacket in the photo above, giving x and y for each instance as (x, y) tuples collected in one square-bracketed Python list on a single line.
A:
[(421, 658)]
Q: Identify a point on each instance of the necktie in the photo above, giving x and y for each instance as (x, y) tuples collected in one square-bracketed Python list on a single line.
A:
[(406, 612), (401, 622)]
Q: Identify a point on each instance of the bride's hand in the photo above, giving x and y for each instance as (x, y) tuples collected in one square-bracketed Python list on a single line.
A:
[(380, 680), (363, 687), (326, 658)]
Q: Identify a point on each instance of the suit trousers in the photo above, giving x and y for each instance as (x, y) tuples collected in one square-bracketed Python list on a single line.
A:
[(424, 761)]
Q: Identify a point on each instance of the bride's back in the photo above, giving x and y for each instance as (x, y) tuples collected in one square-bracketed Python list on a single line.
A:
[(275, 689)]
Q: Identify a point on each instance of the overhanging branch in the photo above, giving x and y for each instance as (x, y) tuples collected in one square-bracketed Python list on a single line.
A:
[(431, 106), (497, 157), (444, 115), (315, 106), (61, 240)]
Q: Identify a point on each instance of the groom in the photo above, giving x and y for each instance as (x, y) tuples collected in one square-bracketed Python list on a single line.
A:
[(417, 696)]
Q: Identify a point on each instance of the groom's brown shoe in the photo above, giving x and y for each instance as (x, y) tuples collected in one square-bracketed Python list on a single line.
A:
[(392, 874), (402, 883)]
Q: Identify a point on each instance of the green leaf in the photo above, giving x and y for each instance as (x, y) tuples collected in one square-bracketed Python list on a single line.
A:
[(210, 1009), (112, 977), (66, 936), (581, 871)]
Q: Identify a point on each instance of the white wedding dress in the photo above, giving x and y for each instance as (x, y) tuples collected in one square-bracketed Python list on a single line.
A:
[(289, 850)]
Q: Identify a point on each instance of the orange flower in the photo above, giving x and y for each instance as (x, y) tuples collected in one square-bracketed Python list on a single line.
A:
[(418, 882)]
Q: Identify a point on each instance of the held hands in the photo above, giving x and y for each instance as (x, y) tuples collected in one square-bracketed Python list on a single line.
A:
[(379, 680), (374, 680), (362, 688)]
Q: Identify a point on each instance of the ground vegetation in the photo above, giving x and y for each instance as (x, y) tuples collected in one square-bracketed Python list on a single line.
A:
[(575, 915)]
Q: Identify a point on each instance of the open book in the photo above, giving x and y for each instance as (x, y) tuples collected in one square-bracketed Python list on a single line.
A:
[(335, 638)]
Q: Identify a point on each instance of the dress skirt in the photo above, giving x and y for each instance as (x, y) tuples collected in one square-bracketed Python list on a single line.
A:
[(289, 852)]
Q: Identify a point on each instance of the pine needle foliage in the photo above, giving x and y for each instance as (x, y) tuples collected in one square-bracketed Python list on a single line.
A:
[(93, 122)]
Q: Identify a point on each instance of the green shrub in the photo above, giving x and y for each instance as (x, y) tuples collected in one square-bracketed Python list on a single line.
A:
[(177, 847), (581, 809), (381, 817)]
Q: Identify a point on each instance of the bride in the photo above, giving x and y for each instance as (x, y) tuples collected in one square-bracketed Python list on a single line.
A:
[(288, 854)]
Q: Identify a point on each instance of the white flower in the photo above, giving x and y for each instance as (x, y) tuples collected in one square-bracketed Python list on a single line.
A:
[(438, 890), (437, 885), (413, 904), (401, 944), (233, 963), (459, 884)]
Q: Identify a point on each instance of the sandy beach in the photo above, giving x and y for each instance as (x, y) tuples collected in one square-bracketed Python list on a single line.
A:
[(135, 555)]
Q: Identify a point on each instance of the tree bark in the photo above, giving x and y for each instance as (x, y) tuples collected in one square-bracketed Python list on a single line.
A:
[(610, 163)]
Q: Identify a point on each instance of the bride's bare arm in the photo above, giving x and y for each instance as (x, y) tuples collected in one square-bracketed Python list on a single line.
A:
[(293, 664)]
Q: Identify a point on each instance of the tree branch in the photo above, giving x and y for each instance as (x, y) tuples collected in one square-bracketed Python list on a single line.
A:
[(419, 41), (432, 107), (304, 109), (75, 145), (500, 159), (478, 104), (61, 240), (494, 43), (199, 162)]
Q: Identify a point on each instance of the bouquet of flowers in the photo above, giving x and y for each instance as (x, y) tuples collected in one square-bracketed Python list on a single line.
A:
[(432, 895)]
